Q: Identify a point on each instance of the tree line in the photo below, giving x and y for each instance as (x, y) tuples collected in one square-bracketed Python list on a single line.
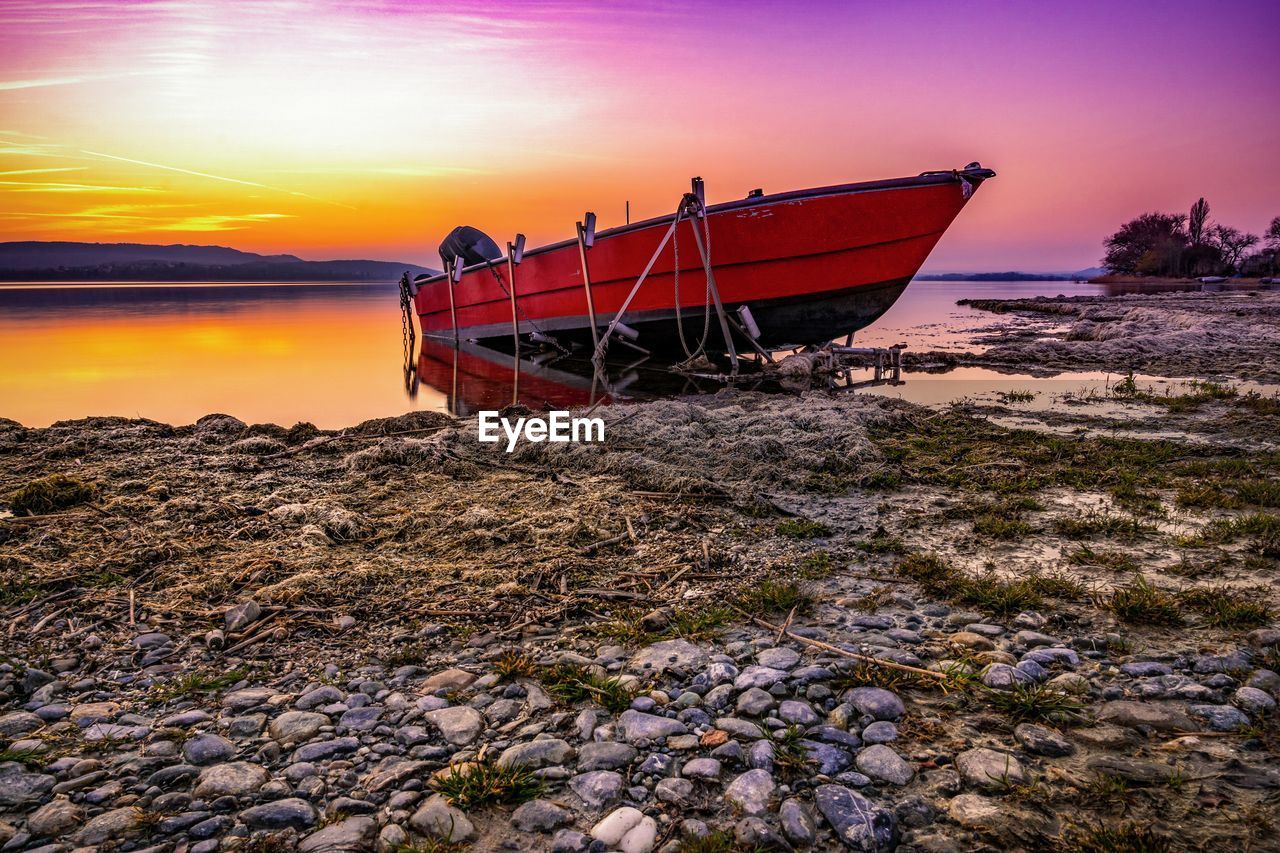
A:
[(1189, 244)]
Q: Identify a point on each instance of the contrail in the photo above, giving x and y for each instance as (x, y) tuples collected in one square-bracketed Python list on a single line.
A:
[(215, 177)]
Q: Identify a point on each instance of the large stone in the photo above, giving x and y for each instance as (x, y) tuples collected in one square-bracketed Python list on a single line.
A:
[(233, 779), (1220, 718), (626, 829), (540, 816), (544, 752), (638, 726), (669, 654), (94, 712), (1254, 701), (243, 700), (55, 818), (18, 723), (110, 826), (605, 755), (291, 813), (326, 694), (599, 788), (1163, 718), (881, 762), (393, 771), (763, 677), (798, 713), (856, 821), (449, 679), (19, 787), (754, 702), (1040, 740), (352, 835), (987, 768), (701, 768), (797, 824), (208, 748), (779, 657), (296, 727), (325, 749), (1001, 676), (438, 819), (876, 702), (751, 792), (459, 725)]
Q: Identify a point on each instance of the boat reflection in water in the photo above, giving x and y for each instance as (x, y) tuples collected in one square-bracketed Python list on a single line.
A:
[(475, 378)]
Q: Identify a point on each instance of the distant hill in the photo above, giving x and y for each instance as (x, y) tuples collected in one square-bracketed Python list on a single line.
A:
[(1081, 275), (65, 261)]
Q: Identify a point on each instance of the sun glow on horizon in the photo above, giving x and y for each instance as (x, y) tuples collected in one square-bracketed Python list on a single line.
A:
[(368, 129)]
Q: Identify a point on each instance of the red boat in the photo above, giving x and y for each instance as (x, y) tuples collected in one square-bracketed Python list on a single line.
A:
[(792, 268)]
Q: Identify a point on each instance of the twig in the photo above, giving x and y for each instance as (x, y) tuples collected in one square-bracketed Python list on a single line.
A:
[(785, 626), (603, 543), (888, 664), (669, 581)]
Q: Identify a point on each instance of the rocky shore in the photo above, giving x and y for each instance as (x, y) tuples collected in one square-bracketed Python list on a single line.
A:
[(745, 622), (1193, 334)]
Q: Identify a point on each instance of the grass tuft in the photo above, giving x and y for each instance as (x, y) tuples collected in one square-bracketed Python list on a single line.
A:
[(882, 544), (1224, 607), (988, 591), (483, 783), (775, 596), (513, 664), (1141, 603), (1114, 838), (196, 684), (32, 759), (1094, 523), (803, 528), (1035, 702), (571, 683), (1114, 560), (790, 759)]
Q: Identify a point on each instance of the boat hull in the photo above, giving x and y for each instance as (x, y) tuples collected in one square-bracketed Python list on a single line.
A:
[(810, 265)]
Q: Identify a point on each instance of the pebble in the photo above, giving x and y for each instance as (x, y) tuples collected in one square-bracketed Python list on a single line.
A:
[(751, 792), (859, 823), (881, 762), (988, 768)]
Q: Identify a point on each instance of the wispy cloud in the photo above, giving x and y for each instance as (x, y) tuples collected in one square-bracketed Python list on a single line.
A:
[(212, 177), (55, 187), (41, 82), (396, 171), (44, 171), (221, 223)]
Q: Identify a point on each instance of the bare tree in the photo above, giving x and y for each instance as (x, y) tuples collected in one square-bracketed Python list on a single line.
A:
[(1233, 243), (1197, 221), (1273, 235)]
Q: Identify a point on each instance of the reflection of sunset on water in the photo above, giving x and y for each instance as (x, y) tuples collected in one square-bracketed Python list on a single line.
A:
[(332, 359)]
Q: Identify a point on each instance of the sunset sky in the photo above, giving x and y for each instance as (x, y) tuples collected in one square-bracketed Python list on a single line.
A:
[(368, 129)]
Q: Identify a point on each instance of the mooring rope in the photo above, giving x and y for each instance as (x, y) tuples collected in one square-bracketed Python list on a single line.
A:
[(706, 309)]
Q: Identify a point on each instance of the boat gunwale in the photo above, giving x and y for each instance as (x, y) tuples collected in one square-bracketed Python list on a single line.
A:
[(924, 179)]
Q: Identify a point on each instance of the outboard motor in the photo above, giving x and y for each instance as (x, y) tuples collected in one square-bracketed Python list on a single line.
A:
[(469, 245)]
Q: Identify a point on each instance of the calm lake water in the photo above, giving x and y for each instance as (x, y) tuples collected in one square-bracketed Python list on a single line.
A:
[(333, 354)]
